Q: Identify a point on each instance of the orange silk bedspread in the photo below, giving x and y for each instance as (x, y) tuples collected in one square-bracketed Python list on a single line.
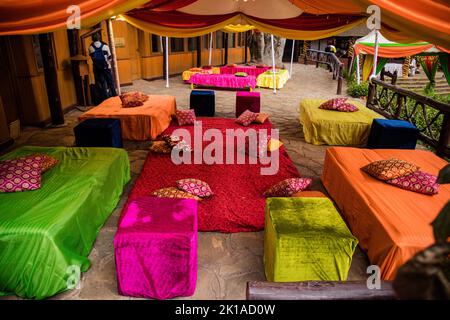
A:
[(390, 223), (138, 123)]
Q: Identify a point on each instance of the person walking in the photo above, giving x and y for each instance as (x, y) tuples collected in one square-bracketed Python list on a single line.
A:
[(101, 59)]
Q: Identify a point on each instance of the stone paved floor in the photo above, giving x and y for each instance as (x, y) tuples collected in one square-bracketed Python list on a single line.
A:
[(226, 261)]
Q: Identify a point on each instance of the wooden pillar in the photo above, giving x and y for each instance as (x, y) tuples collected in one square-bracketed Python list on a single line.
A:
[(226, 48), (164, 60), (112, 46), (51, 78), (245, 35), (199, 52)]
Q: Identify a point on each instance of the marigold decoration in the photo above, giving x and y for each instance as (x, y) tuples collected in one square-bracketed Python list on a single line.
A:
[(405, 68)]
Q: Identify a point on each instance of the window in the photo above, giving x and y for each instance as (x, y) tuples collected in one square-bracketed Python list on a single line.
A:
[(231, 40), (192, 44), (240, 36), (156, 44), (205, 40), (176, 44), (219, 39)]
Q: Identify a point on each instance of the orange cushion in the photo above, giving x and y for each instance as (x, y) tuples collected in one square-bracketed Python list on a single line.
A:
[(262, 117)]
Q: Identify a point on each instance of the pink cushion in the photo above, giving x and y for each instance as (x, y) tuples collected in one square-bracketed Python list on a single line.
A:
[(333, 104), (418, 181), (195, 187), (246, 118), (347, 107), (185, 117), (21, 174), (288, 187)]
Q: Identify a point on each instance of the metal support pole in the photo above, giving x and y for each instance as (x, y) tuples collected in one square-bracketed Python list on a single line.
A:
[(115, 69), (292, 58), (167, 62), (273, 66), (210, 48), (358, 76)]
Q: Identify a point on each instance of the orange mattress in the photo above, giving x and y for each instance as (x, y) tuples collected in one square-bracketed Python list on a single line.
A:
[(390, 223), (139, 123)]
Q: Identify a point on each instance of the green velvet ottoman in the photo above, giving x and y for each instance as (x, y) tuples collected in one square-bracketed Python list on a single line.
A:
[(306, 239)]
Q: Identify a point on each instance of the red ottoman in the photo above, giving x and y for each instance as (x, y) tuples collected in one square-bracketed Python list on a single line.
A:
[(156, 248), (247, 100)]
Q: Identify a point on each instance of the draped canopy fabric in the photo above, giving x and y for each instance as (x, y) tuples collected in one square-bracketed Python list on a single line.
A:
[(39, 16)]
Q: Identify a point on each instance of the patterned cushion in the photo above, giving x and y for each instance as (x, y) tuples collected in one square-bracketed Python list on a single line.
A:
[(173, 192), (185, 117), (133, 99), (390, 169), (288, 187), (48, 161), (195, 187), (347, 107), (333, 104), (274, 144), (196, 69), (241, 74), (418, 181), (171, 140), (232, 65), (21, 174), (262, 117), (246, 118), (160, 147)]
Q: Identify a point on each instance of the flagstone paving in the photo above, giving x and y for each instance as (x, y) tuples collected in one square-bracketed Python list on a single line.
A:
[(226, 261)]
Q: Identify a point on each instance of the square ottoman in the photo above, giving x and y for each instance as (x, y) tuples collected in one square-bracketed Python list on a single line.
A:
[(247, 100), (306, 239), (203, 102), (392, 134), (156, 248), (99, 132)]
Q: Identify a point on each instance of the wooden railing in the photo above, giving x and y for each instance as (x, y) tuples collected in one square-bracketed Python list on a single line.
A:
[(331, 61), (431, 117)]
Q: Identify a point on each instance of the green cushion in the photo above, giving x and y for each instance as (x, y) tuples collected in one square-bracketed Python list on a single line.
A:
[(306, 239)]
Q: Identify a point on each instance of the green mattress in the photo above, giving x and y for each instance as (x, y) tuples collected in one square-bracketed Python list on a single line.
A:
[(46, 235), (306, 239)]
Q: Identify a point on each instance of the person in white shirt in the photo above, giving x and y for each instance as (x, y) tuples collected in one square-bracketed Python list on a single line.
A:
[(101, 59)]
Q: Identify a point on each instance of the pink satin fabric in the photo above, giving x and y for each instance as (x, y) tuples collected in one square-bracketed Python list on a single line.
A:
[(250, 70), (156, 248), (223, 81)]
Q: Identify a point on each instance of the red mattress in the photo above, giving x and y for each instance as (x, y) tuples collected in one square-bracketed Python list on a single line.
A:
[(237, 204)]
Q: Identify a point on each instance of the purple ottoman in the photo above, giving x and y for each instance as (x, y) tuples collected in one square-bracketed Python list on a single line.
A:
[(156, 248), (247, 100)]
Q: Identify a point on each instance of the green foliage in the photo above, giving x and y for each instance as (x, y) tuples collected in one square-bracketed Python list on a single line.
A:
[(358, 90), (429, 89)]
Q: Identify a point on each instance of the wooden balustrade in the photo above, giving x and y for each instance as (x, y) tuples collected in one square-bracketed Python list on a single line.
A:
[(431, 117), (331, 61)]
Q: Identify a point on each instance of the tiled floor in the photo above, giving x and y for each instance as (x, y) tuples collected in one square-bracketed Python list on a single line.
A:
[(226, 261)]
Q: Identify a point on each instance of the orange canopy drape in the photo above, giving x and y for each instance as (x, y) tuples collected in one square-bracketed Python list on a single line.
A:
[(415, 20), (39, 16)]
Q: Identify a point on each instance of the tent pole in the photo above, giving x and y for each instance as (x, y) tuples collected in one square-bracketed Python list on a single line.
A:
[(273, 66), (210, 48), (358, 80), (375, 56), (167, 62), (112, 46), (292, 58)]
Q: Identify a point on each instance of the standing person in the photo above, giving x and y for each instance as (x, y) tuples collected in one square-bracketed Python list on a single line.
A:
[(101, 59), (330, 47)]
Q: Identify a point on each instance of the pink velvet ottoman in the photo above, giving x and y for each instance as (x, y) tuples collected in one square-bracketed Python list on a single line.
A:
[(247, 100), (156, 248)]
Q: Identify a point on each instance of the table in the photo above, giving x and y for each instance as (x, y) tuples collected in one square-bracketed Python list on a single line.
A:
[(186, 75), (265, 80)]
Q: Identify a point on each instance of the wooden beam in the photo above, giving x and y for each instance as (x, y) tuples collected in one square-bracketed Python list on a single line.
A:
[(245, 35), (199, 52), (112, 46), (318, 290)]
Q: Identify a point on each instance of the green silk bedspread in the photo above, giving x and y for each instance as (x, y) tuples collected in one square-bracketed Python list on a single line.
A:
[(46, 235), (306, 239)]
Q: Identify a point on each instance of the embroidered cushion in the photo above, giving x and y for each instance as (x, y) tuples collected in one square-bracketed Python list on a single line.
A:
[(21, 174), (288, 187), (241, 74), (418, 181), (196, 69), (195, 187), (48, 161), (185, 117), (173, 192), (262, 117), (274, 144), (133, 99), (333, 104), (347, 107), (160, 147), (389, 169), (246, 118)]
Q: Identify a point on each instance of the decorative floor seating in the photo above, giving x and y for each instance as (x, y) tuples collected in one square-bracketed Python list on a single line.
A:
[(203, 102), (97, 132), (392, 134), (247, 101)]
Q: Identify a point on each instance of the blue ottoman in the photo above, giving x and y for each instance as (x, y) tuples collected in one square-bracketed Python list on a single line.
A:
[(203, 102), (98, 133), (392, 134)]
